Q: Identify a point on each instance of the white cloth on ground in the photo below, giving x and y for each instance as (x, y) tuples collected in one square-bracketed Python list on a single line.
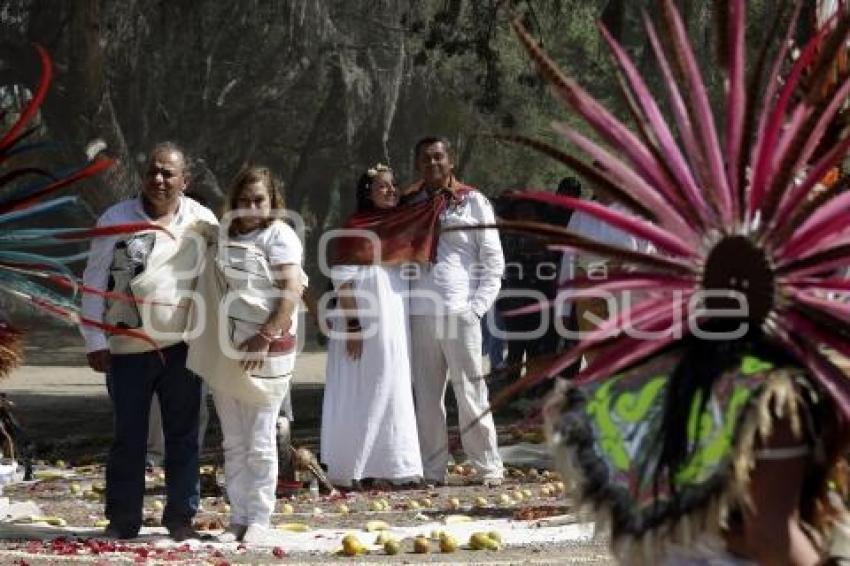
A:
[(368, 421)]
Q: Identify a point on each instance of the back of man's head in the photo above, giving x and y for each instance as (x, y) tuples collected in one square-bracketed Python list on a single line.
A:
[(569, 187)]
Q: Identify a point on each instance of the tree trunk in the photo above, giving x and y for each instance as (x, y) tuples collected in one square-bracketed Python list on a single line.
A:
[(302, 180), (85, 113)]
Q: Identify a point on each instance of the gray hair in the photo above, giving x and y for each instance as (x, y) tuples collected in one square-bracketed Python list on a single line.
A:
[(170, 147)]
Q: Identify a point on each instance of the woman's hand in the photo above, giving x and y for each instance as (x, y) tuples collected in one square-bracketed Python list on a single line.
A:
[(256, 347), (354, 345)]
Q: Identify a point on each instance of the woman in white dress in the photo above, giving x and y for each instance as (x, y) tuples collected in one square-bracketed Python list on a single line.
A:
[(368, 421)]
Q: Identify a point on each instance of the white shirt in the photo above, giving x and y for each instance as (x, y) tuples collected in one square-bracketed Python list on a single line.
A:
[(102, 255), (469, 264), (277, 244), (590, 227)]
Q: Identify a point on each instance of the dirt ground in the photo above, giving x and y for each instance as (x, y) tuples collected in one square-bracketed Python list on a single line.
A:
[(67, 414)]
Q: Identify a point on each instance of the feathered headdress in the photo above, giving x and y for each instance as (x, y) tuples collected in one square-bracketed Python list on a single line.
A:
[(724, 193), (26, 274), (726, 209)]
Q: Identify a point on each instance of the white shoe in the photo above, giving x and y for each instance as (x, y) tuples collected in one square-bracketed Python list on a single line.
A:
[(258, 534), (233, 533)]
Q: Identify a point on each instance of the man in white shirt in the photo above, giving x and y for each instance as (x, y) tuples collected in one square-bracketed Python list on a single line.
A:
[(592, 310), (134, 266), (447, 303)]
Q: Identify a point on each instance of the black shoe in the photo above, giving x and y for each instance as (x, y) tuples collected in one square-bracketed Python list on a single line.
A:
[(184, 532), (117, 532)]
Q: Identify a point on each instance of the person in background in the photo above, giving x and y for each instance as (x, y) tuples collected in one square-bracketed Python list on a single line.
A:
[(530, 278)]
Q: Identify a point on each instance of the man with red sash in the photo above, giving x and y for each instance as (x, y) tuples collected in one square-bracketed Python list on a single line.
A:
[(458, 279), (449, 298)]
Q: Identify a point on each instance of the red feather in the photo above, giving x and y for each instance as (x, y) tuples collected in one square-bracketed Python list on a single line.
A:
[(35, 103), (96, 166)]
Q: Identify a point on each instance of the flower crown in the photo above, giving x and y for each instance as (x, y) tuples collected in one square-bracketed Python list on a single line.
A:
[(372, 172)]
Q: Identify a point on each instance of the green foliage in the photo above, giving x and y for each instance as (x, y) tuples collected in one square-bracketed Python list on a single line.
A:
[(321, 89)]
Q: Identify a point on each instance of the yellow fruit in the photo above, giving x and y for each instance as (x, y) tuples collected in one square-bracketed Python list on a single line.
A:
[(91, 496), (385, 504), (426, 502), (526, 493), (413, 505), (494, 535), (559, 486), (47, 475), (480, 541), (75, 488), (481, 501), (54, 521), (293, 527), (421, 545), (454, 503), (351, 546), (342, 509), (518, 496), (545, 491), (533, 473), (101, 523), (505, 499), (392, 547), (372, 526), (157, 505), (448, 543), (287, 509), (376, 506)]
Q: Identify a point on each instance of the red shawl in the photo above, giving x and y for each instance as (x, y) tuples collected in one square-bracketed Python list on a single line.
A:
[(407, 233)]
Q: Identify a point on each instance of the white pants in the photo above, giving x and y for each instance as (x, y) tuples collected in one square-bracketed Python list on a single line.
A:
[(451, 343), (250, 458), (155, 451)]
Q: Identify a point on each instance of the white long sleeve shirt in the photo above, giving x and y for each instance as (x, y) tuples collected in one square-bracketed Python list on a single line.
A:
[(102, 257), (590, 227), (468, 270)]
